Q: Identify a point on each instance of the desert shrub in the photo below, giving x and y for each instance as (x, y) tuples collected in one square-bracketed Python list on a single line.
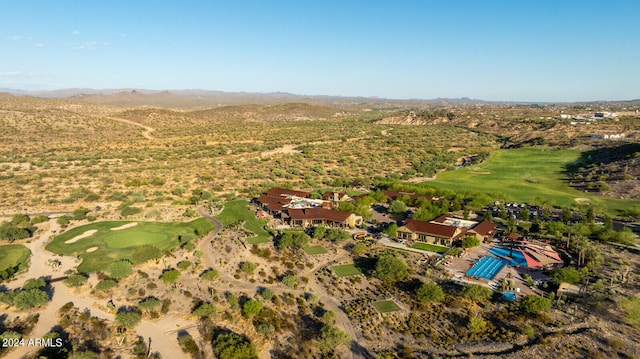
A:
[(75, 280), (184, 264), (210, 274), (105, 284), (430, 292)]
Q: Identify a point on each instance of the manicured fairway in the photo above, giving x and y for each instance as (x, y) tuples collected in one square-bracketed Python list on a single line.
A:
[(527, 175), (386, 306), (429, 247), (239, 210), (346, 270), (313, 250), (120, 244), (12, 255)]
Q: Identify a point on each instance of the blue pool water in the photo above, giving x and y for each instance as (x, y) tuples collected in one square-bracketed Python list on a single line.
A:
[(509, 296), (486, 268), (517, 259)]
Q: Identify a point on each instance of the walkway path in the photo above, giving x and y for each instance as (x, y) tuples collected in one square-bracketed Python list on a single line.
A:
[(148, 130)]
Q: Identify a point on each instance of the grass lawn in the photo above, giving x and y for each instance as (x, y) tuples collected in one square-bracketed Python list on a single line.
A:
[(115, 245), (429, 247), (346, 270), (386, 306), (12, 255), (529, 175), (313, 250), (239, 210)]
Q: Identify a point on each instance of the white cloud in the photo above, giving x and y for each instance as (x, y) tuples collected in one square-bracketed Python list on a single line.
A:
[(123, 34), (85, 45), (75, 32), (18, 74), (40, 44)]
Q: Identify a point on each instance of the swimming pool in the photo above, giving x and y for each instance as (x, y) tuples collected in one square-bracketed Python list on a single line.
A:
[(517, 259), (486, 268), (509, 296)]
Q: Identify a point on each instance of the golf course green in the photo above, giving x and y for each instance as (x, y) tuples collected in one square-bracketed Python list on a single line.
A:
[(13, 257), (238, 210), (530, 175), (100, 243)]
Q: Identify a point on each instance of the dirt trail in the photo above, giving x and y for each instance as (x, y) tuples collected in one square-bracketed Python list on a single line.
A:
[(147, 130), (162, 333)]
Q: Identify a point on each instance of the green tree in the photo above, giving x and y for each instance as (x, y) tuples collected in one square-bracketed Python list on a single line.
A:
[(233, 346), (80, 213), (210, 274), (105, 284), (430, 293), (128, 317), (397, 208), (319, 232), (524, 214), (535, 304), (470, 241), (120, 269), (359, 249), (296, 239), (251, 308), (205, 310), (149, 303), (331, 337), (290, 281), (392, 230), (337, 235), (476, 325), (477, 293), (557, 229), (391, 269), (248, 267), (34, 283), (170, 276), (30, 298), (566, 274), (75, 280), (267, 293)]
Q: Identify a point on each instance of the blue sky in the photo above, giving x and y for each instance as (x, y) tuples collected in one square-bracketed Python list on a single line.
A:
[(493, 50)]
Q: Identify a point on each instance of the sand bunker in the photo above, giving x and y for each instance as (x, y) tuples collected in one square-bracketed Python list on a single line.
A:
[(480, 172), (86, 234), (583, 200), (92, 249), (125, 226)]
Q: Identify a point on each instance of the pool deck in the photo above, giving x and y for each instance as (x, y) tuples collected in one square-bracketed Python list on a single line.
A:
[(459, 266)]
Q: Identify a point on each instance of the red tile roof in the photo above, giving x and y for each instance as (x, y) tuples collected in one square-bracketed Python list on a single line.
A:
[(273, 203), (484, 228), (279, 192), (435, 229), (318, 213)]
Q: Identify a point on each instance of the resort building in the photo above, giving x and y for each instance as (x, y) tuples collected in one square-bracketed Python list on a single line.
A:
[(310, 217), (429, 232)]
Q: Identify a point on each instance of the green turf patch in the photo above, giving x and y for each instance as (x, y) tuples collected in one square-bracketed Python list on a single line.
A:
[(314, 250), (120, 244), (429, 247), (239, 211), (346, 270), (14, 256), (386, 306), (529, 175)]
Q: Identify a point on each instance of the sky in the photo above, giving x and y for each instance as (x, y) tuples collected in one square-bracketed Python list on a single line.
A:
[(502, 50)]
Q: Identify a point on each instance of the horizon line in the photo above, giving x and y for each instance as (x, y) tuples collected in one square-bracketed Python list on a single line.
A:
[(99, 91)]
